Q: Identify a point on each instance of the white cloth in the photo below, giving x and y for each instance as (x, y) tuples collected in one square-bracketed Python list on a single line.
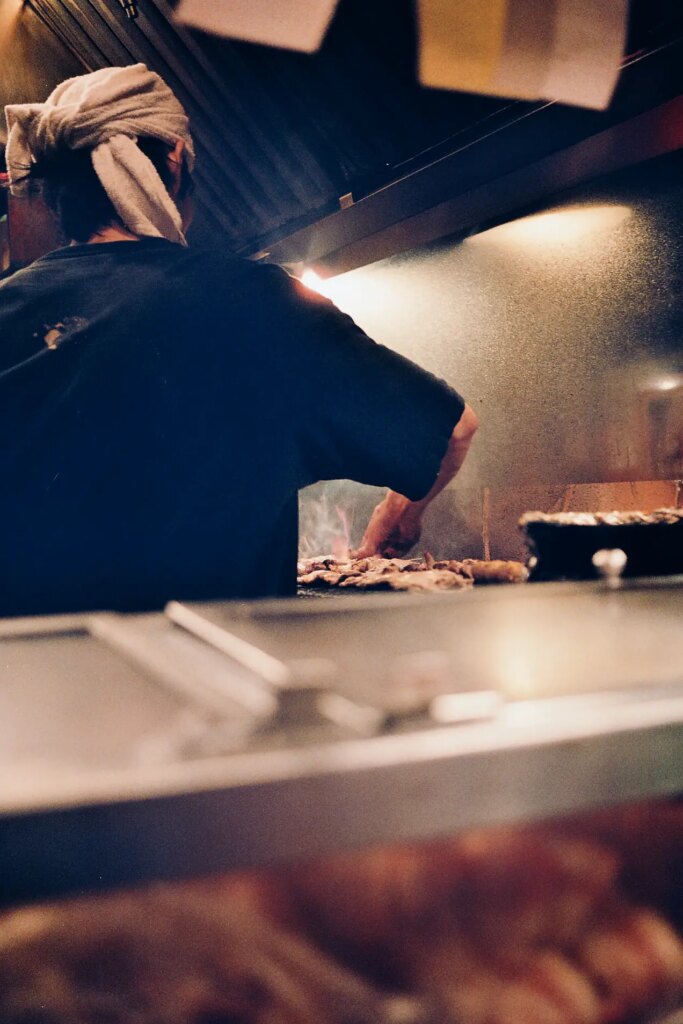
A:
[(107, 111)]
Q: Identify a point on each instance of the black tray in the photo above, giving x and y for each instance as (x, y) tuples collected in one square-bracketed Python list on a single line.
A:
[(565, 551)]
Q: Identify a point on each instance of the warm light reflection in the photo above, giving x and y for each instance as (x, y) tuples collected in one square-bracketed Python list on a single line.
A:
[(514, 666), (556, 227)]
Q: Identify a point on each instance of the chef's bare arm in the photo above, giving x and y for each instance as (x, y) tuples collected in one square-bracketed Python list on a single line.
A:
[(396, 523)]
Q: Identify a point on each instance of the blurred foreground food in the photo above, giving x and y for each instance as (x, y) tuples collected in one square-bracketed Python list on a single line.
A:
[(574, 922)]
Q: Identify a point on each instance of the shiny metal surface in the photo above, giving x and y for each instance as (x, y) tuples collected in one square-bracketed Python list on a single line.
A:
[(522, 642), (173, 813), (65, 707), (98, 693), (538, 759), (421, 688)]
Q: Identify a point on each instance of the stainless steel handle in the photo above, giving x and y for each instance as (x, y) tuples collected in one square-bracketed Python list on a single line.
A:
[(306, 696)]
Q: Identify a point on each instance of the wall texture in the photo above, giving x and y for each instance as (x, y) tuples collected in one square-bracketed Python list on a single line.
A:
[(564, 330), (32, 60)]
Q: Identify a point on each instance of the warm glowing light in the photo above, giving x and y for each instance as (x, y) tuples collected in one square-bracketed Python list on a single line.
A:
[(556, 227), (668, 383), (336, 289), (351, 292), (314, 281), (373, 298)]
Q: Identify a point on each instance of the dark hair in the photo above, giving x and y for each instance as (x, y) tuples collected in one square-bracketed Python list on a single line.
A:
[(73, 191)]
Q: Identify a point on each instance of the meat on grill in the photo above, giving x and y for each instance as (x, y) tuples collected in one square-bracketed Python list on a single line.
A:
[(377, 573)]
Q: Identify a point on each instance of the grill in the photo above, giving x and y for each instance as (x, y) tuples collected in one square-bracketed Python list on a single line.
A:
[(223, 736)]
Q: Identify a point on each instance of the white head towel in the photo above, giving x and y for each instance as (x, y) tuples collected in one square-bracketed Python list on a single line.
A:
[(107, 111)]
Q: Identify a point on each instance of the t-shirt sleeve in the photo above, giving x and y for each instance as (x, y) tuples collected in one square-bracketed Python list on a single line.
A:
[(360, 411)]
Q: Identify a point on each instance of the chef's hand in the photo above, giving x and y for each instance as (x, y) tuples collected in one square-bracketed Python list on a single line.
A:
[(396, 523), (394, 528)]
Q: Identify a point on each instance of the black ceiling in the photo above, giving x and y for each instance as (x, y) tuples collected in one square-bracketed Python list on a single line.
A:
[(280, 135)]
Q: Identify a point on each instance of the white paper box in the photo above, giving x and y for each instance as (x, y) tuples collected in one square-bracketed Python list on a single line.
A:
[(291, 24)]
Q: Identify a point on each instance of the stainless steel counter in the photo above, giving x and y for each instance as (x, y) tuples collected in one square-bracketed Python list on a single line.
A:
[(214, 737)]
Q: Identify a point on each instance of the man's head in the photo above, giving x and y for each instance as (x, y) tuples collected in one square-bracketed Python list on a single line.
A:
[(72, 189), (112, 147)]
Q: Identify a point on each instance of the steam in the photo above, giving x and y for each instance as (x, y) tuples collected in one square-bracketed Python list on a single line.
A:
[(325, 528)]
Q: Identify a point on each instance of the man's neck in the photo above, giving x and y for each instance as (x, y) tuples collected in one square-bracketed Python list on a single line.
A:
[(113, 233)]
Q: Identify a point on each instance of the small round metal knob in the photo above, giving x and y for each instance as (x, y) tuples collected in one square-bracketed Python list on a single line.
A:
[(610, 563)]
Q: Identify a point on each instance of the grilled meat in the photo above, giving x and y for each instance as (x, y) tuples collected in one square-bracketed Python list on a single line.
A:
[(409, 574)]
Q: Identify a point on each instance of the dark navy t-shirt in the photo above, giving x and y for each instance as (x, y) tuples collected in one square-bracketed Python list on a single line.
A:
[(168, 405)]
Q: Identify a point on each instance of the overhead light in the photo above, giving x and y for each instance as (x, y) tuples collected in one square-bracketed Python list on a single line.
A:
[(314, 281), (556, 227), (357, 292), (668, 383)]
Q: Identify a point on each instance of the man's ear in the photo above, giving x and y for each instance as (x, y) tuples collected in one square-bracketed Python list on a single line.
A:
[(174, 162)]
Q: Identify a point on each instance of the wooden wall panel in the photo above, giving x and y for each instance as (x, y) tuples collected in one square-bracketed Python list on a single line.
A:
[(32, 59)]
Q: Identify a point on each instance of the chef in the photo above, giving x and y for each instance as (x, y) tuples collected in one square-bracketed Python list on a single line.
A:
[(161, 405)]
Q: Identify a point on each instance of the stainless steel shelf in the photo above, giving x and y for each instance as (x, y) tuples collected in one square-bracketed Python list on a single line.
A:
[(165, 806)]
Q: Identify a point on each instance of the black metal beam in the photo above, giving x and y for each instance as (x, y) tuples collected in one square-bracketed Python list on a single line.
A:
[(643, 138), (521, 162)]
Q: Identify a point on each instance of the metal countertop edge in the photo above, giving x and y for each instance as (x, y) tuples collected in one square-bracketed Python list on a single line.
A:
[(190, 834), (526, 728)]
